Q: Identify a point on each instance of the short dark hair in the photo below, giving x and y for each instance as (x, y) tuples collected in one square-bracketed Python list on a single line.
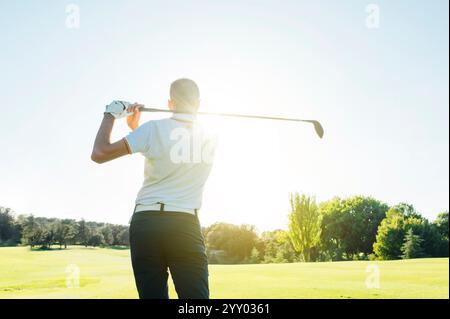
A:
[(185, 93)]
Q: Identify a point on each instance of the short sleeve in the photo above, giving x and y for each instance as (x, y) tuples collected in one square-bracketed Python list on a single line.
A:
[(139, 139)]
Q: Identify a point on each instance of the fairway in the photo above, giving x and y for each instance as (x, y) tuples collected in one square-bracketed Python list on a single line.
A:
[(106, 273)]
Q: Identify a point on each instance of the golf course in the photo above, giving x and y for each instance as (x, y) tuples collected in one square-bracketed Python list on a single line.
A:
[(79, 272)]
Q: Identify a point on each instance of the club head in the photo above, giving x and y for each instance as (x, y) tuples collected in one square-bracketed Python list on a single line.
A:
[(318, 127)]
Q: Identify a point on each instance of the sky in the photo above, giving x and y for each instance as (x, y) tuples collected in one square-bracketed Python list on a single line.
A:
[(376, 80)]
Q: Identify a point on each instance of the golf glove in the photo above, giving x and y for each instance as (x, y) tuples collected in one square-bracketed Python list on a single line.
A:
[(118, 109)]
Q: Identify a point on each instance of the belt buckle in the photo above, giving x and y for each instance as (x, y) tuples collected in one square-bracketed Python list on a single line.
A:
[(161, 206)]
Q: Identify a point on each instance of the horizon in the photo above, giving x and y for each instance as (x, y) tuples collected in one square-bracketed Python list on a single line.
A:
[(380, 91), (258, 231)]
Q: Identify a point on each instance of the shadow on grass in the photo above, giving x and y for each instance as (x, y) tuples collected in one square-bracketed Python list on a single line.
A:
[(47, 248), (56, 248), (118, 247)]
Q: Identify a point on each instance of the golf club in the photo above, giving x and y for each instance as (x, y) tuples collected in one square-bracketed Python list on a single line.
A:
[(317, 126)]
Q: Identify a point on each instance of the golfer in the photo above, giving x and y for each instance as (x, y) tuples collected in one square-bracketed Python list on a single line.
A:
[(165, 232)]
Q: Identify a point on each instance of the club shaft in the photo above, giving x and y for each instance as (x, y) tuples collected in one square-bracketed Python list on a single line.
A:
[(145, 109)]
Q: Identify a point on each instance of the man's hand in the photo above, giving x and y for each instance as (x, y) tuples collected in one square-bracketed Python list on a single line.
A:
[(104, 150), (133, 118), (118, 109)]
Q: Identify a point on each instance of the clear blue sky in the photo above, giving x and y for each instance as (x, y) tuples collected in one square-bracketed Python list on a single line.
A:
[(381, 94)]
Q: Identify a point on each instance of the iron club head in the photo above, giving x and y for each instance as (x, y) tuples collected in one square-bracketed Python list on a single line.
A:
[(318, 128)]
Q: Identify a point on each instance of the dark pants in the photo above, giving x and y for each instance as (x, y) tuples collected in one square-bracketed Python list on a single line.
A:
[(167, 240)]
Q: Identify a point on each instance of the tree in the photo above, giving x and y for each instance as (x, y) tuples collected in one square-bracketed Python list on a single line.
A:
[(70, 231), (117, 232), (83, 233), (441, 223), (255, 256), (96, 238), (333, 229), (47, 236), (433, 243), (44, 232), (349, 226), (9, 229), (64, 232), (58, 229), (107, 233), (407, 210), (393, 229), (124, 237), (363, 215), (276, 247), (32, 232), (236, 241), (304, 224), (412, 247)]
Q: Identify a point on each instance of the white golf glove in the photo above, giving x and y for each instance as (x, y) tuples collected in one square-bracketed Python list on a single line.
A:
[(118, 109)]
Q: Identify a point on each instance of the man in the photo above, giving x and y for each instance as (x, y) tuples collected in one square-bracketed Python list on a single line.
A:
[(165, 232)]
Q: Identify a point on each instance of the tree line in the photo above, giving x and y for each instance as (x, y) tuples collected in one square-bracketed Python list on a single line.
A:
[(353, 228), (43, 233)]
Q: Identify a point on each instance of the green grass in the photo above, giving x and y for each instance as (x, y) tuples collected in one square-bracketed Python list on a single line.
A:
[(107, 273)]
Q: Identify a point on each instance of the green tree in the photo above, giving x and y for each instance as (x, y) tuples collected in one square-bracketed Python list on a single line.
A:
[(83, 233), (407, 210), (124, 237), (333, 229), (412, 247), (9, 229), (96, 238), (117, 231), (107, 233), (70, 231), (236, 241), (304, 224), (32, 232), (392, 231), (64, 232), (276, 247), (441, 223), (363, 215), (255, 256), (349, 226), (47, 236), (44, 232), (433, 243), (58, 230)]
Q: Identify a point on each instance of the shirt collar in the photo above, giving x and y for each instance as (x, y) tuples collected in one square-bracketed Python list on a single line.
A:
[(184, 117)]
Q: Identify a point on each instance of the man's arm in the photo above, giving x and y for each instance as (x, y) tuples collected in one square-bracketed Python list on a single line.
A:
[(103, 150)]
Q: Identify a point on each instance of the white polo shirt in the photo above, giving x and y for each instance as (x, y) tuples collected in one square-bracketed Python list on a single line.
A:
[(178, 159)]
